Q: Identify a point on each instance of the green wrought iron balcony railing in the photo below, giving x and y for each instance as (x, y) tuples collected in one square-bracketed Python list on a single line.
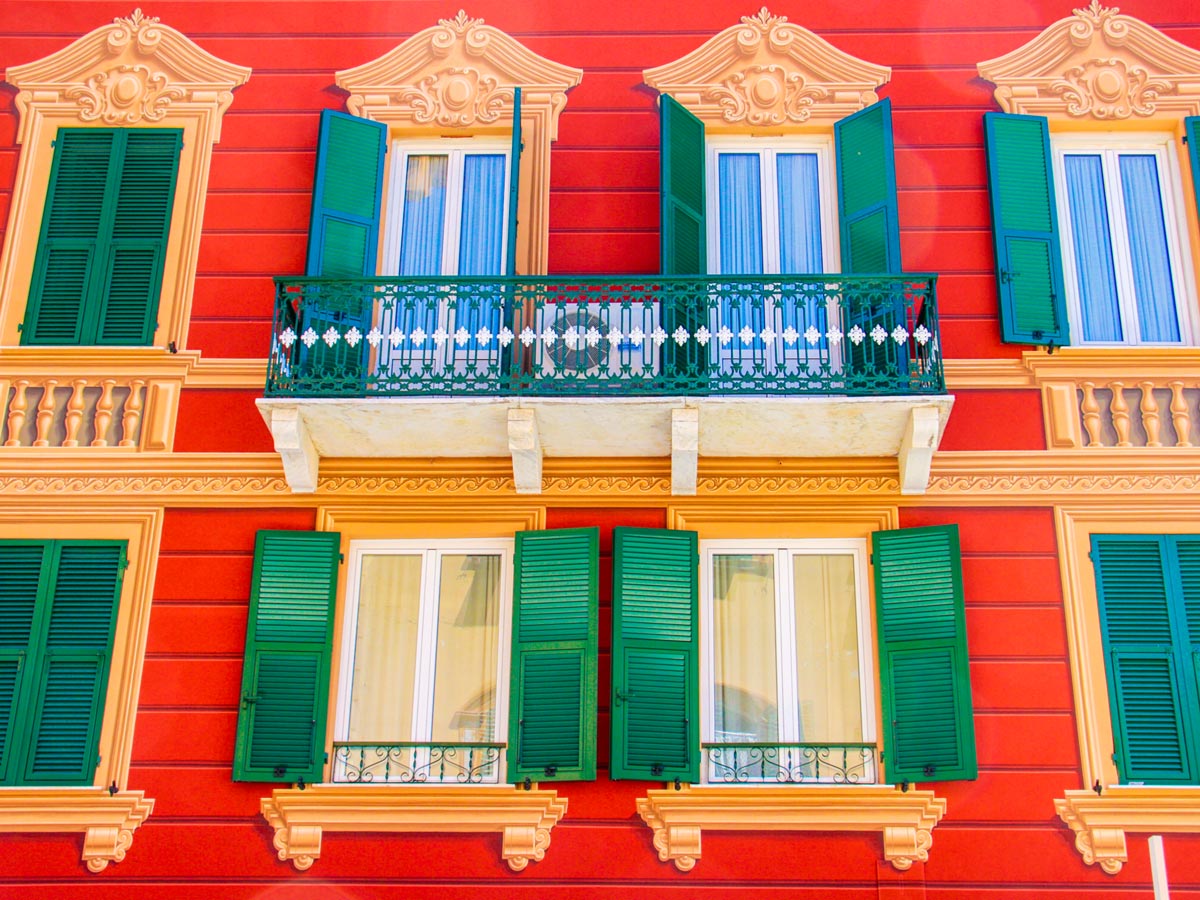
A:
[(416, 763), (629, 335), (745, 763)]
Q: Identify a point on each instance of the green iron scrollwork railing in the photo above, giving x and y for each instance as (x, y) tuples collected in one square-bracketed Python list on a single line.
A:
[(630, 335), (416, 763), (744, 763)]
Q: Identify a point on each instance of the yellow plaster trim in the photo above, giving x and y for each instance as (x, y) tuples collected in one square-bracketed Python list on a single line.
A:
[(904, 819), (982, 374), (106, 820), (1100, 821), (136, 73), (457, 78), (523, 818), (767, 74), (1102, 66)]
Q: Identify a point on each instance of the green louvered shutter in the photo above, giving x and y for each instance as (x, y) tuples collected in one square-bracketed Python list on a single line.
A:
[(21, 565), (552, 709), (1148, 655), (682, 233), (868, 214), (98, 273), (1029, 275), (285, 677), (514, 184), (1192, 125), (71, 677), (655, 649), (131, 283), (928, 726)]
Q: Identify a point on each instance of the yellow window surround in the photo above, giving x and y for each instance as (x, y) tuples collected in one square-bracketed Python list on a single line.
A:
[(456, 78), (1100, 819), (107, 813)]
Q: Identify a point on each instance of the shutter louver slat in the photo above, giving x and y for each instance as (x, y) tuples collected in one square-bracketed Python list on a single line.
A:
[(1188, 556), (928, 727), (655, 725), (868, 211), (64, 742), (552, 720)]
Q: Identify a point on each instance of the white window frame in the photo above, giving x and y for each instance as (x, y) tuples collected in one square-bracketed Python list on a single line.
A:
[(456, 149), (1110, 146), (767, 149), (432, 551), (784, 551)]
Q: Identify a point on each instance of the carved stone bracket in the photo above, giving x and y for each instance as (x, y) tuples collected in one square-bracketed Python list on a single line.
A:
[(1100, 821), (1101, 65), (106, 820), (904, 819), (768, 73), (523, 818)]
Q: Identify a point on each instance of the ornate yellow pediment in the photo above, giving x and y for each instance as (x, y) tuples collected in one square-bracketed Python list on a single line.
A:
[(767, 72), (1098, 64), (134, 72)]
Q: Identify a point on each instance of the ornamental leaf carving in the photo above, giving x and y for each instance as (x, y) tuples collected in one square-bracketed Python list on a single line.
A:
[(125, 95), (456, 96), (1109, 89), (766, 95)]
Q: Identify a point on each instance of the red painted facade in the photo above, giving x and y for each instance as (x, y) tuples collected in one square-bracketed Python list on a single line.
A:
[(1000, 837)]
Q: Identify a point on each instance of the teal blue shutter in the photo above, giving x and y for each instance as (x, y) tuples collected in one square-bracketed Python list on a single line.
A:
[(343, 240), (514, 183), (285, 677), (682, 231), (1192, 125), (655, 655), (868, 213), (71, 677), (552, 707), (928, 726), (22, 565), (98, 272), (1033, 306), (1149, 653)]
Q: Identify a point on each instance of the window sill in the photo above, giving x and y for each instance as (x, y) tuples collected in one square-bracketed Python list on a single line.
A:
[(106, 820), (904, 818), (1100, 821), (523, 818)]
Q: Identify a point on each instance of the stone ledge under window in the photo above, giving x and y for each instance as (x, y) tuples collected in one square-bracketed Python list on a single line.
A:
[(904, 818), (523, 818), (106, 820), (1101, 820)]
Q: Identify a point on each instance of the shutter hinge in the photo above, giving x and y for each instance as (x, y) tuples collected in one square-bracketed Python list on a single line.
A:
[(1097, 788), (326, 760), (20, 327), (341, 558), (124, 562), (904, 786), (113, 789)]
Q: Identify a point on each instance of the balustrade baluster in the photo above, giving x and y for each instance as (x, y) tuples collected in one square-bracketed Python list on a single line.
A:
[(1090, 407), (1149, 410), (74, 416), (133, 414), (45, 414), (1179, 416), (104, 412), (1120, 413), (16, 413)]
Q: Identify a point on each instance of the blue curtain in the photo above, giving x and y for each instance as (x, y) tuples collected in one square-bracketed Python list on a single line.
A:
[(740, 214), (1152, 281), (482, 237), (424, 216), (800, 250), (1093, 247)]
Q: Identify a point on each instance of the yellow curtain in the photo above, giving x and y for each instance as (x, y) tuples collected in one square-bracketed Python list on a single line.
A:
[(464, 694), (827, 664), (744, 662)]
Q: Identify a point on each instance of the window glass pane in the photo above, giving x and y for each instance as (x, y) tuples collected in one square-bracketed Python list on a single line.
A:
[(464, 693), (740, 214), (481, 240), (744, 665), (385, 649), (799, 214), (1152, 281), (1088, 204), (827, 649), (424, 215)]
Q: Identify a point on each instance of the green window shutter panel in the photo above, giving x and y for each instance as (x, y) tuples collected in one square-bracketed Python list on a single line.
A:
[(285, 676), (868, 213), (655, 653), (928, 726), (1146, 587), (145, 194), (514, 183), (552, 710), (21, 565), (1025, 230), (1187, 551), (71, 677), (1192, 125)]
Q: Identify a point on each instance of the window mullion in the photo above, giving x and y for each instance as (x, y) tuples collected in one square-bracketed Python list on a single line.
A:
[(785, 640), (769, 200), (393, 227), (455, 172), (426, 661)]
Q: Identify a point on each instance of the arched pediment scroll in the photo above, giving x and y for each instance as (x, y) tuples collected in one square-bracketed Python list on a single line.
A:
[(766, 72)]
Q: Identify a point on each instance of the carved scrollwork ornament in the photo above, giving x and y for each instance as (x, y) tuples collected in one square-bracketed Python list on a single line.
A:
[(125, 95), (1109, 89), (455, 97), (766, 95)]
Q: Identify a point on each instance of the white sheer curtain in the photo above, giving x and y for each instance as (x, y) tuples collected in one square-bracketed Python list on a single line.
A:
[(1094, 268), (745, 683), (1153, 285), (464, 684)]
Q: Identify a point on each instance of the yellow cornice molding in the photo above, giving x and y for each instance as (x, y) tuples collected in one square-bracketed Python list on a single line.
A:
[(1077, 363), (905, 819), (981, 374), (1100, 821), (106, 820), (523, 818), (1169, 476)]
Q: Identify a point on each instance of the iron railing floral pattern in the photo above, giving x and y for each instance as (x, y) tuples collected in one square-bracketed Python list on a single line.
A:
[(745, 763), (647, 335), (416, 763)]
